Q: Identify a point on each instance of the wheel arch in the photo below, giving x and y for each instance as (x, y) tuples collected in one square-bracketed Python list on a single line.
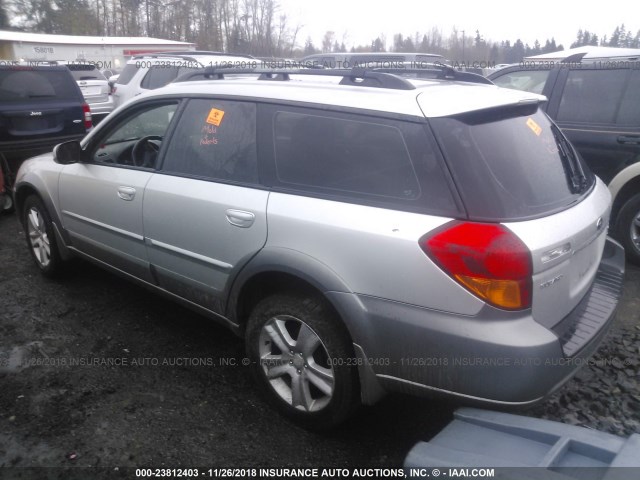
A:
[(278, 270), (623, 186), (25, 189)]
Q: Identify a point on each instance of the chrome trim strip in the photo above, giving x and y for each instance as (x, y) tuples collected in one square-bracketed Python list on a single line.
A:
[(423, 387), (104, 225), (187, 253)]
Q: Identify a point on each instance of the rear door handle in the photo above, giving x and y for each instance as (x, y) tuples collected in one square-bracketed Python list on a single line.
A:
[(240, 218), (127, 193), (629, 139)]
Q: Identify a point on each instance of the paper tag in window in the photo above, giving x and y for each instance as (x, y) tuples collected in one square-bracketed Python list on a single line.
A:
[(531, 123), (215, 117)]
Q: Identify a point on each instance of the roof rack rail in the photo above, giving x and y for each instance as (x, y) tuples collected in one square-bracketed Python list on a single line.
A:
[(189, 54), (439, 71), (356, 76)]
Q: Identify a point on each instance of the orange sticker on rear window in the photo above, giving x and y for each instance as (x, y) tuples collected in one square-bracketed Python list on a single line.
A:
[(531, 123), (215, 117)]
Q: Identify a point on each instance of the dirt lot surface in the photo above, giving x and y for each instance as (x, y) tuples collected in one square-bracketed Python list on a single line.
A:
[(96, 372)]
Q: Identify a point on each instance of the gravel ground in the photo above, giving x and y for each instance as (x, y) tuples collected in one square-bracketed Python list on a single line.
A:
[(56, 414)]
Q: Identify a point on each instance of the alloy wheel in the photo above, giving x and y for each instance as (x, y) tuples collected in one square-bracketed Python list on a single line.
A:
[(38, 237), (296, 363)]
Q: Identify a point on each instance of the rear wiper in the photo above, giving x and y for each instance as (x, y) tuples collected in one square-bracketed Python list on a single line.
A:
[(576, 176)]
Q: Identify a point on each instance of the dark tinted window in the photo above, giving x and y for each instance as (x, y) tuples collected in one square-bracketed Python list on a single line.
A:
[(592, 96), (159, 76), (22, 84), (629, 113), (215, 139), (347, 155), (507, 163), (127, 74)]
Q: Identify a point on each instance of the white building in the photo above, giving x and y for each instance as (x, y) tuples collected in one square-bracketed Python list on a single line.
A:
[(106, 52)]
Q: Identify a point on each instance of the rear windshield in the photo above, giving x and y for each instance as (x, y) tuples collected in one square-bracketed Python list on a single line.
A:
[(24, 84), (85, 72), (127, 74), (511, 163)]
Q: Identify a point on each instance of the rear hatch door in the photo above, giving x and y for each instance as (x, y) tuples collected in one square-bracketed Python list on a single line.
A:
[(39, 101), (513, 166), (93, 84)]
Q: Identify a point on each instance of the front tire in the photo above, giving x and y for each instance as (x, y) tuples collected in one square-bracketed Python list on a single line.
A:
[(303, 360), (627, 229), (40, 236)]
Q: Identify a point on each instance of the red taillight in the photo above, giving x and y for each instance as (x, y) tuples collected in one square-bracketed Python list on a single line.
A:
[(487, 259), (88, 123)]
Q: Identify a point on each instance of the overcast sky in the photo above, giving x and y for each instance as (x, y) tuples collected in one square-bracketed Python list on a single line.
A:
[(361, 21)]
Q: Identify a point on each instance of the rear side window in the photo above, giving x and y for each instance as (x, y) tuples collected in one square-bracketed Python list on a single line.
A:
[(127, 74), (215, 140), (338, 154), (359, 157), (24, 85), (592, 96), (508, 163)]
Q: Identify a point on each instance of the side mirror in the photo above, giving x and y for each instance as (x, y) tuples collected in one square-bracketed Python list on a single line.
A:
[(68, 152)]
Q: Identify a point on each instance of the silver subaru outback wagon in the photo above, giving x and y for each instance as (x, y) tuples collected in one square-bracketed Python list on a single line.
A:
[(364, 232)]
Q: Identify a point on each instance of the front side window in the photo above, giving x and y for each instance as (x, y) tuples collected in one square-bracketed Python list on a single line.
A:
[(629, 113), (592, 96), (215, 139), (136, 140)]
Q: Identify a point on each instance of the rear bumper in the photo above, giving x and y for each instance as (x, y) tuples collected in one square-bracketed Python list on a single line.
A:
[(496, 357), (102, 108), (36, 145)]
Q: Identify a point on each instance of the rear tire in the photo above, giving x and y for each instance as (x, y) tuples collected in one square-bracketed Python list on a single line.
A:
[(7, 205), (627, 229), (303, 361), (41, 239)]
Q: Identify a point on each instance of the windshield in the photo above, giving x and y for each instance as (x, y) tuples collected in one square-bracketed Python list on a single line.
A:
[(511, 163)]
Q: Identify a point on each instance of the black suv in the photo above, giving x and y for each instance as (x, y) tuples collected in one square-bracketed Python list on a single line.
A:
[(40, 106), (596, 102)]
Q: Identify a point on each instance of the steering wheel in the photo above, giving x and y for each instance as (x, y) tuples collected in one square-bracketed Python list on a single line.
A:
[(145, 151)]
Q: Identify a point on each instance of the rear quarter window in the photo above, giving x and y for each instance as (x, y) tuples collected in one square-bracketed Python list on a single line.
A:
[(25, 85)]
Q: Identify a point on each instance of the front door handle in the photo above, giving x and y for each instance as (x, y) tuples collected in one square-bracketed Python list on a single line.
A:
[(127, 193), (629, 139), (240, 218)]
